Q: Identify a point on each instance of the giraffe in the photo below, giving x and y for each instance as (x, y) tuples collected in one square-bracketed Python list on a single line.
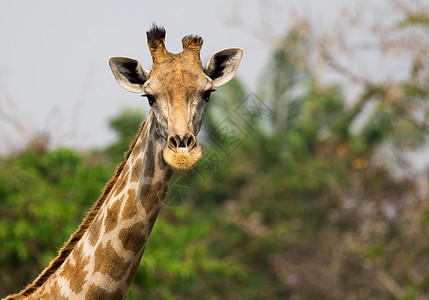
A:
[(101, 258)]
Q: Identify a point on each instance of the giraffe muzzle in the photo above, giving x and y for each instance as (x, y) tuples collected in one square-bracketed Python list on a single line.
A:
[(182, 152)]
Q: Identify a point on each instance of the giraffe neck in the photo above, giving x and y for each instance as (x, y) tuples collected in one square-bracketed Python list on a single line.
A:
[(104, 261)]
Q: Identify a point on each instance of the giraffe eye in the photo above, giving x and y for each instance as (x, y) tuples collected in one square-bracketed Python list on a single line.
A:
[(151, 99), (206, 95)]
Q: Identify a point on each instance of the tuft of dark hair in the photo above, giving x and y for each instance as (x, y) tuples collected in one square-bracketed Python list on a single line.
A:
[(192, 41), (155, 34)]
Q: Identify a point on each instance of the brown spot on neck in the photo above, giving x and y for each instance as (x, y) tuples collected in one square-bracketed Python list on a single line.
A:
[(136, 173), (132, 238), (53, 293), (152, 193), (94, 231), (75, 276), (108, 262), (149, 163), (111, 219), (120, 185), (97, 293), (75, 273), (130, 207)]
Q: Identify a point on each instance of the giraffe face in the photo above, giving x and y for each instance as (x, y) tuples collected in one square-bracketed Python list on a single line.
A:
[(177, 89), (178, 95)]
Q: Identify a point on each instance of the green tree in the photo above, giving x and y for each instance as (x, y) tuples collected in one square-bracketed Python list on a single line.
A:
[(125, 124), (43, 198)]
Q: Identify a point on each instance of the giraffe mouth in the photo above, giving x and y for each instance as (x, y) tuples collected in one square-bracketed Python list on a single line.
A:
[(182, 158)]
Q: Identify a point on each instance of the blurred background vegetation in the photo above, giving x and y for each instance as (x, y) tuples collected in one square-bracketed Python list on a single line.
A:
[(301, 194)]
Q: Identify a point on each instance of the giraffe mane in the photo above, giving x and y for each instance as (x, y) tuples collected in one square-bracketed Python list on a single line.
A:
[(65, 251)]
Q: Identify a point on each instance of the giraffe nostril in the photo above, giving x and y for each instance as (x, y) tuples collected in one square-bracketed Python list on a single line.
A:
[(174, 142), (191, 141)]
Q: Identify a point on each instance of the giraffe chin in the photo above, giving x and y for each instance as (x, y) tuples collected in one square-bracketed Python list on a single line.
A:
[(182, 159)]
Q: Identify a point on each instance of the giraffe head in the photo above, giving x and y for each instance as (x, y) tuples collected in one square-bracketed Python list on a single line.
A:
[(178, 89)]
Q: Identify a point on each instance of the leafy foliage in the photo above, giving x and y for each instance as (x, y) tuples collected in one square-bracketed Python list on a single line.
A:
[(43, 198), (125, 125)]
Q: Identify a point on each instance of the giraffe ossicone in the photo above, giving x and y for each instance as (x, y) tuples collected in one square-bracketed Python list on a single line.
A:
[(101, 258)]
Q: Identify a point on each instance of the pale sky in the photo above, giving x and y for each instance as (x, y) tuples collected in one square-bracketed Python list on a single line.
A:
[(54, 73)]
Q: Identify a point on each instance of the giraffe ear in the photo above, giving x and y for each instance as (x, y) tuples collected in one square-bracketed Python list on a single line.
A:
[(223, 65), (129, 73)]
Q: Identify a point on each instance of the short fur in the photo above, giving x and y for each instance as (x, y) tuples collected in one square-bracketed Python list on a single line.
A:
[(70, 244), (192, 42)]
